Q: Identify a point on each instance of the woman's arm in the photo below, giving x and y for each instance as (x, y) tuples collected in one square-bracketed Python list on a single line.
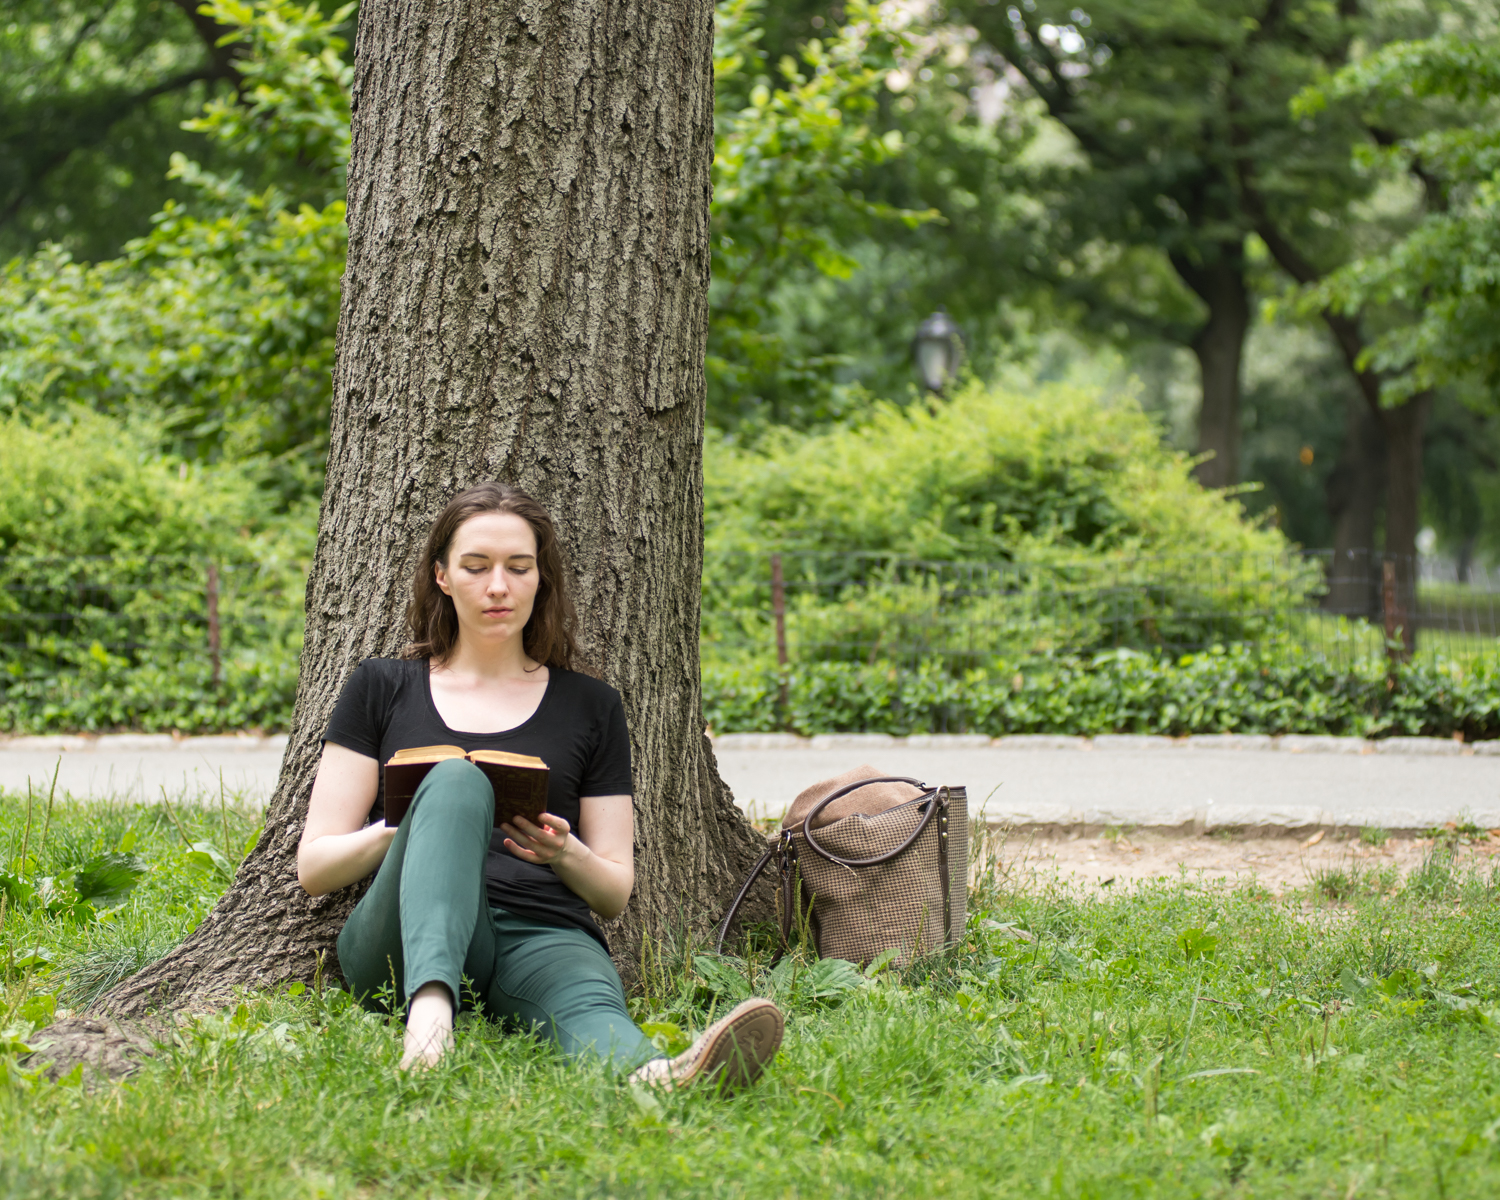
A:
[(337, 848), (598, 864)]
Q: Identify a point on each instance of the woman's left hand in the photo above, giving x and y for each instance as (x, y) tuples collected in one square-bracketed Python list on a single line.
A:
[(544, 843)]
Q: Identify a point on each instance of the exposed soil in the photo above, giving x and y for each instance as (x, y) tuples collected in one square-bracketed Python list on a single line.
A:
[(1279, 863)]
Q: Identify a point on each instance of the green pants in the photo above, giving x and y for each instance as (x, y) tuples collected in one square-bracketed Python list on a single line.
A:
[(425, 920)]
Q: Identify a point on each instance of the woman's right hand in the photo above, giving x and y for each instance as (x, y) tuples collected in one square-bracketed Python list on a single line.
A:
[(337, 847)]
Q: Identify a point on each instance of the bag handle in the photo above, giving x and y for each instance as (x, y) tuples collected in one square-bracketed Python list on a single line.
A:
[(780, 844), (787, 849), (928, 794)]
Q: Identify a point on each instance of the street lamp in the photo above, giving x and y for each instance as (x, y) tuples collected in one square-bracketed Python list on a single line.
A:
[(937, 347)]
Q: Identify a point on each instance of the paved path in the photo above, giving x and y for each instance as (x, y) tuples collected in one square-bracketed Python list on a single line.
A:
[(1139, 782), (138, 767), (1197, 783)]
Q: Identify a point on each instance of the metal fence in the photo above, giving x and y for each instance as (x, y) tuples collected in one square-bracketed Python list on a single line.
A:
[(867, 607), (54, 610), (797, 607)]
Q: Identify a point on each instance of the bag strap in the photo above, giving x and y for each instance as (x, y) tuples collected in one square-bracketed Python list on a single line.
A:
[(779, 845), (942, 804), (784, 846), (928, 794)]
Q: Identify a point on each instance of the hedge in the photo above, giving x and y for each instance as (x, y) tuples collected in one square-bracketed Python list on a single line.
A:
[(1233, 690), (1226, 690)]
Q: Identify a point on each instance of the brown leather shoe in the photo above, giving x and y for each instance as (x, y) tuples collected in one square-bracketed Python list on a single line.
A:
[(731, 1054)]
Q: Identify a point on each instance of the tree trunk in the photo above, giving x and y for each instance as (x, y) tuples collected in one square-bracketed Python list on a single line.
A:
[(526, 300), (1219, 347), (1353, 492), (1405, 426)]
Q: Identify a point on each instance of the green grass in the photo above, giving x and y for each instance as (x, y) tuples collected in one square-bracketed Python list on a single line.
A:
[(1178, 1039)]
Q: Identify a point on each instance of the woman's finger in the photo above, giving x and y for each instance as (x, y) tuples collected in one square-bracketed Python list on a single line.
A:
[(550, 824)]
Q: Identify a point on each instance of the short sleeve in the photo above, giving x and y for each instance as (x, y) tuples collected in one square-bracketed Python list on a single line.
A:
[(608, 771), (357, 721)]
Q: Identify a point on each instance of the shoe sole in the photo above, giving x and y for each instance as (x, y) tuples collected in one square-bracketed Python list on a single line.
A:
[(738, 1052)]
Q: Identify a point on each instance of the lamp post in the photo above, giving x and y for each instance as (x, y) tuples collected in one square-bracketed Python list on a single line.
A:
[(937, 347)]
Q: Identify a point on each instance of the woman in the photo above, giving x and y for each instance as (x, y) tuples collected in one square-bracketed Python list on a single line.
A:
[(509, 909)]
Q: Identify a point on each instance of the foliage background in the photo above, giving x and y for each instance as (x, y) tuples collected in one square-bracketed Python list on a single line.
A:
[(165, 383)]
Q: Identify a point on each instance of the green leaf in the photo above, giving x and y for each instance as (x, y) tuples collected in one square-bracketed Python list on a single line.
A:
[(1196, 944), (22, 894), (667, 1037), (38, 1008), (107, 879), (206, 858), (37, 960), (13, 1042), (723, 976), (831, 979)]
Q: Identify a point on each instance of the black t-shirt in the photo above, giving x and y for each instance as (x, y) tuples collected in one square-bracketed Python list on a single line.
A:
[(578, 730)]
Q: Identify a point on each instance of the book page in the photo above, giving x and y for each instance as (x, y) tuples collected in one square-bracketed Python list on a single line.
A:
[(502, 758), (427, 754)]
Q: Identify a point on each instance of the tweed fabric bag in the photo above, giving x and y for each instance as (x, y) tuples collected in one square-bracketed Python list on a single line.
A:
[(870, 863)]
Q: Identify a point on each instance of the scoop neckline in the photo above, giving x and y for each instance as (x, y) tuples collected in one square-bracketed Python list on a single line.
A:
[(469, 733)]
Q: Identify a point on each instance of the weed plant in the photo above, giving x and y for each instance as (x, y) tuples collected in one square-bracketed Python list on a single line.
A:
[(1174, 1039)]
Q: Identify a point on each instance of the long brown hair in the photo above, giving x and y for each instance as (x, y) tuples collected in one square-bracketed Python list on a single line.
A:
[(548, 636)]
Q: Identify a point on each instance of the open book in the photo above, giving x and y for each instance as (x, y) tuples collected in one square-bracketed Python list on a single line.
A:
[(520, 781)]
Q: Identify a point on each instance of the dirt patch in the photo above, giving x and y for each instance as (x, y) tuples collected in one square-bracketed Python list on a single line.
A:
[(1278, 863)]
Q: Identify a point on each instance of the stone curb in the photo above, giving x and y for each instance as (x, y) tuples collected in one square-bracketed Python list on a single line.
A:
[(1292, 743)]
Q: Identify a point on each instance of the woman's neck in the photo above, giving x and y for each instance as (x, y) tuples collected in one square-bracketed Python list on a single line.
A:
[(503, 660)]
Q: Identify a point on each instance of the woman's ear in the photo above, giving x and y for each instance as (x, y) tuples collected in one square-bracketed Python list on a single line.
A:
[(440, 574)]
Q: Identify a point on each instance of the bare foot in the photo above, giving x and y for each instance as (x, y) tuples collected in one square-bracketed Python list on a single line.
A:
[(429, 1027)]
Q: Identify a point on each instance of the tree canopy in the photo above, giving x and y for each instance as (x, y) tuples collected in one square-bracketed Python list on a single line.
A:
[(1295, 195)]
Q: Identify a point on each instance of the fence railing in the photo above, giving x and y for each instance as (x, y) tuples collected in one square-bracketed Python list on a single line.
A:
[(867, 607), (813, 606), (55, 609)]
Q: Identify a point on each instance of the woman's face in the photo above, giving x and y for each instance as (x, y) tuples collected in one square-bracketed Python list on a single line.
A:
[(491, 574)]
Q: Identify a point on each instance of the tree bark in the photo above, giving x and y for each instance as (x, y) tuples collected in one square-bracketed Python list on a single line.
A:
[(1405, 426), (1219, 347), (1354, 490), (525, 299)]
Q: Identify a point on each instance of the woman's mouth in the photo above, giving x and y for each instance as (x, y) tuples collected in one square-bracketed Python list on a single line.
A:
[(497, 612)]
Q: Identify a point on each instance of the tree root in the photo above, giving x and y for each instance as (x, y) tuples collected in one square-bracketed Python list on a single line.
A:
[(106, 1050)]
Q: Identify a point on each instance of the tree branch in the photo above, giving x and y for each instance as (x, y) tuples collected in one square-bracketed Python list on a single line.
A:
[(117, 108), (209, 33), (1345, 329), (1434, 191)]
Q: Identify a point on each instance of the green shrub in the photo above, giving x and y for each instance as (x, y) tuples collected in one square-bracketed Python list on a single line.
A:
[(96, 692), (1060, 474), (1235, 689), (105, 553), (84, 484), (1040, 523)]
